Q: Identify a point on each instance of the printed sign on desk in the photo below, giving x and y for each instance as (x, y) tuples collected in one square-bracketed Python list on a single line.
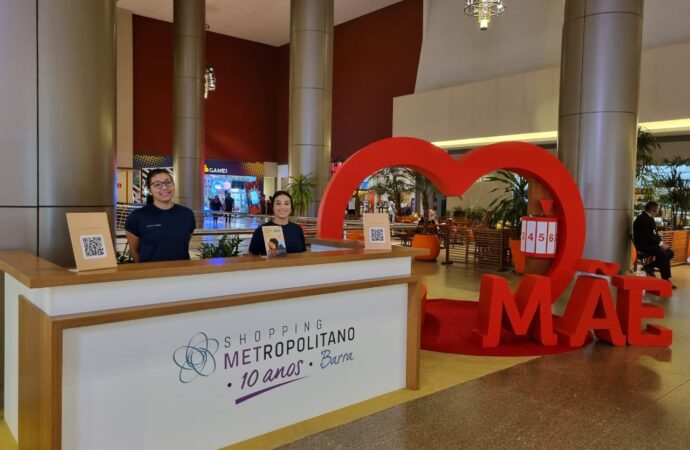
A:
[(377, 231), (91, 241), (274, 241)]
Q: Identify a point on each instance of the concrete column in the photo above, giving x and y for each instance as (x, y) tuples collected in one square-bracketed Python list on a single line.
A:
[(189, 21), (311, 62), (57, 123), (597, 127), (57, 120)]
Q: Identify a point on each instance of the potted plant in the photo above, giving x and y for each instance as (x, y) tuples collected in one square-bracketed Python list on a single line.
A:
[(647, 144), (510, 206), (226, 247), (674, 189), (301, 190), (394, 182)]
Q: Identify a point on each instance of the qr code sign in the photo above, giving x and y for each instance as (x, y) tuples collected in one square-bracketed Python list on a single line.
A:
[(377, 235), (93, 246)]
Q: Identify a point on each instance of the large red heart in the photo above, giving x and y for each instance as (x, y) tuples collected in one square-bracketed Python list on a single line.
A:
[(454, 177)]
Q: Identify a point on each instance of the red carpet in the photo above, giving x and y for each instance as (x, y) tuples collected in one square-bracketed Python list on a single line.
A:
[(448, 325)]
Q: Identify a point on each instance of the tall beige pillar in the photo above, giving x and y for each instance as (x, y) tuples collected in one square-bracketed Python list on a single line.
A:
[(57, 120), (311, 62), (57, 123), (189, 18), (597, 127)]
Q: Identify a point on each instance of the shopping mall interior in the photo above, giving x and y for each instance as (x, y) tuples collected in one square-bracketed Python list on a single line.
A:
[(584, 104)]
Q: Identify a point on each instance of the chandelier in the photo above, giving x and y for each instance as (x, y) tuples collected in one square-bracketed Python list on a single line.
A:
[(209, 81), (483, 10)]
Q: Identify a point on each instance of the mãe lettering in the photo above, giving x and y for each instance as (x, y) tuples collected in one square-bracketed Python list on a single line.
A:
[(590, 308)]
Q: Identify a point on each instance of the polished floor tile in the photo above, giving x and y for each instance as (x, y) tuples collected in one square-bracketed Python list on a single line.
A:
[(597, 397)]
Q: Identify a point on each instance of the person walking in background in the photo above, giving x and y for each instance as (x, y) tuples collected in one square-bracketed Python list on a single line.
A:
[(269, 206), (262, 203), (647, 240), (215, 206), (229, 205)]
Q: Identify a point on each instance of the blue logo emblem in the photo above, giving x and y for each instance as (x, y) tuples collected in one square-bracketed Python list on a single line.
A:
[(196, 358)]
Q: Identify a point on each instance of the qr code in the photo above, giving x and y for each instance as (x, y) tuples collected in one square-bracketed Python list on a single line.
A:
[(93, 246), (377, 234)]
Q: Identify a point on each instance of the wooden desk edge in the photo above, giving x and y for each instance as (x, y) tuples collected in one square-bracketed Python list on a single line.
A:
[(35, 272)]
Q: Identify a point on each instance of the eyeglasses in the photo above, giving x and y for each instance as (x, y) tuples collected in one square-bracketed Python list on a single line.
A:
[(160, 184)]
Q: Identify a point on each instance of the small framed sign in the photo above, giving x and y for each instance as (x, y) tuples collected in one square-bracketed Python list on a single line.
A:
[(92, 243), (377, 231), (274, 241)]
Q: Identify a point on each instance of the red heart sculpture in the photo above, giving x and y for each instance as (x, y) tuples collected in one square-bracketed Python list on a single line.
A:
[(453, 177)]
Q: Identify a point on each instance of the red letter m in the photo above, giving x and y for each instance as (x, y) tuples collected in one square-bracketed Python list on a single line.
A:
[(497, 303)]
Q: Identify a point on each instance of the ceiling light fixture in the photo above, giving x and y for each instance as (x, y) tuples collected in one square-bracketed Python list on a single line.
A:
[(209, 81), (483, 10), (209, 75)]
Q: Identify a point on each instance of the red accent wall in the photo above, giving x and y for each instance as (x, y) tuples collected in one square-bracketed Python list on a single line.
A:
[(152, 78), (375, 58), (283, 104), (240, 113)]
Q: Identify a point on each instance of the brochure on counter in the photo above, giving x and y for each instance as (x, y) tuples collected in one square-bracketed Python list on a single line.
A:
[(274, 241)]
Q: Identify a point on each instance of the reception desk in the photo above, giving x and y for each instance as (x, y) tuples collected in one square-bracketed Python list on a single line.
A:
[(202, 354)]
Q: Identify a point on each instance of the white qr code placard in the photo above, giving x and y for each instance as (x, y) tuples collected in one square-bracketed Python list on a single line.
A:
[(377, 235), (93, 246), (377, 231)]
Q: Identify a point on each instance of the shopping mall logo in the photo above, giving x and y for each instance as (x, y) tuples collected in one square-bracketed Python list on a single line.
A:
[(197, 358)]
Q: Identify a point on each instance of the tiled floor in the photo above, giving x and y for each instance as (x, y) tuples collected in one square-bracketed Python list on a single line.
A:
[(599, 397)]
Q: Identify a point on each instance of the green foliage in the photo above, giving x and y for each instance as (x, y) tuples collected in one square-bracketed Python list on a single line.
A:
[(394, 181), (459, 212), (476, 214), (647, 144), (674, 189), (124, 257), (511, 204), (301, 189), (227, 246)]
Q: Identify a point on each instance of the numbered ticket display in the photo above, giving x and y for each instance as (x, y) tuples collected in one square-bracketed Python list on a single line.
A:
[(538, 236)]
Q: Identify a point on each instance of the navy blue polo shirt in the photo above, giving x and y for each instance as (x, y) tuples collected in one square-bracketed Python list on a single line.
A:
[(163, 234)]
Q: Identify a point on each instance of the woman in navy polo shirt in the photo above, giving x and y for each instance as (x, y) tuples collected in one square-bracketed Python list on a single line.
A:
[(293, 234), (160, 231)]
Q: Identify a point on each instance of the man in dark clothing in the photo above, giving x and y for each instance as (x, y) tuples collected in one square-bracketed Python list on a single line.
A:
[(229, 205), (648, 241)]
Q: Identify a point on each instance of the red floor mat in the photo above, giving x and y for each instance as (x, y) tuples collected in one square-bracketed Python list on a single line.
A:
[(448, 325)]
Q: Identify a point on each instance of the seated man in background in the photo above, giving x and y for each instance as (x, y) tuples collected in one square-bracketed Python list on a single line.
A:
[(648, 241)]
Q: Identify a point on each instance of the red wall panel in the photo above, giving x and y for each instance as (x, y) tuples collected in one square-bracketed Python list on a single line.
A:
[(152, 78), (240, 114), (375, 58)]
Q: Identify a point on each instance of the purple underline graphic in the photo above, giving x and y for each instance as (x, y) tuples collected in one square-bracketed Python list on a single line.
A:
[(254, 394)]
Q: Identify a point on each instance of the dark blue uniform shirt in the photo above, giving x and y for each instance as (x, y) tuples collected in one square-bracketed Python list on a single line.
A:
[(163, 234)]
